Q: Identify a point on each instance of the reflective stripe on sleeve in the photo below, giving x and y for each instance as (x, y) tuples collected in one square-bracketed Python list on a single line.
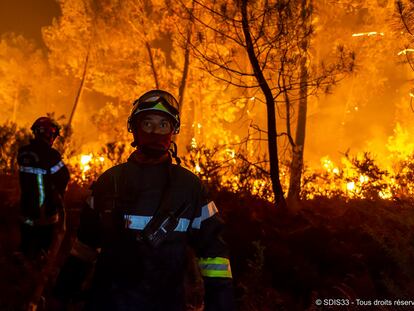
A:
[(183, 224), (217, 267), (32, 170), (41, 171), (84, 252), (139, 222), (56, 167), (136, 222), (207, 211), (40, 185)]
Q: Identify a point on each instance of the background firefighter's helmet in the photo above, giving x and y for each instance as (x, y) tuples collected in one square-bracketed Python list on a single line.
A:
[(156, 100), (45, 125)]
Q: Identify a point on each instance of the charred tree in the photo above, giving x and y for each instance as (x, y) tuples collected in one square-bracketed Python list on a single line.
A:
[(80, 89), (296, 166), (276, 39), (153, 69), (186, 66), (270, 107)]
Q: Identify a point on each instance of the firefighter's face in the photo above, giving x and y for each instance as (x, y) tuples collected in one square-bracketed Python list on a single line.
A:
[(48, 135), (155, 123)]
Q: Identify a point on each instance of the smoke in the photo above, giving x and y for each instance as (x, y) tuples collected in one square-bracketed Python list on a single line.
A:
[(367, 111)]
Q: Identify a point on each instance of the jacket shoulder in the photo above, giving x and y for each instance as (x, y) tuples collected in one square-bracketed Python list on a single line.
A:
[(56, 154), (27, 155), (32, 153), (187, 179), (182, 172), (113, 171), (108, 177)]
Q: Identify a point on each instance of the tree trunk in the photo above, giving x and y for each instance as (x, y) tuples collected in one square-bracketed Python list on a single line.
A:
[(186, 66), (78, 95), (270, 106), (296, 167), (148, 47), (151, 58), (185, 137)]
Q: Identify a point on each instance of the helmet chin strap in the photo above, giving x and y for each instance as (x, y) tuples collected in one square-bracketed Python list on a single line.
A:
[(174, 152)]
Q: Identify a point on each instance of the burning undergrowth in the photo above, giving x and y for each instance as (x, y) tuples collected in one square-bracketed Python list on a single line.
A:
[(239, 170)]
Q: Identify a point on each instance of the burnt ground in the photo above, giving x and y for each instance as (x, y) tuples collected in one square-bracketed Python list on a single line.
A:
[(329, 249)]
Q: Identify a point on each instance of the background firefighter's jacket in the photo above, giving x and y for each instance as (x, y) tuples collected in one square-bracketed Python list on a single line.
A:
[(43, 180), (130, 272)]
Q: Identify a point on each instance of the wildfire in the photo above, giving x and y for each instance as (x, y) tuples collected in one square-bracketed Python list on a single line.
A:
[(405, 51), (193, 143), (88, 160), (385, 194), (85, 159), (345, 180), (357, 177), (350, 186), (368, 34), (86, 167)]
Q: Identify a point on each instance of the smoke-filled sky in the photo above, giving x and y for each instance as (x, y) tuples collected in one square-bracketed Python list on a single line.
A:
[(26, 17), (363, 110)]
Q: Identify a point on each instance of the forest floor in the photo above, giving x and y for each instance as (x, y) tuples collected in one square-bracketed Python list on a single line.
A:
[(357, 251)]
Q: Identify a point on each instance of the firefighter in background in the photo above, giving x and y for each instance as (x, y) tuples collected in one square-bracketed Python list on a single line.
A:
[(141, 219), (43, 180)]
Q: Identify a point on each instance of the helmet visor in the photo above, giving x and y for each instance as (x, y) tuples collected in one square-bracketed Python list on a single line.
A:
[(156, 103)]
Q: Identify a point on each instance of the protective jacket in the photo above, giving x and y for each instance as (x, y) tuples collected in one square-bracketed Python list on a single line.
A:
[(131, 274), (43, 180)]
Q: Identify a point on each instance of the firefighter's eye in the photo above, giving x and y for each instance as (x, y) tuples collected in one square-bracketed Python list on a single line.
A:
[(146, 124), (165, 124)]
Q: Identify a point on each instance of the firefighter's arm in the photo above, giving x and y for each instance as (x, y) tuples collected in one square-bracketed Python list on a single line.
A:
[(213, 259), (59, 172), (82, 257)]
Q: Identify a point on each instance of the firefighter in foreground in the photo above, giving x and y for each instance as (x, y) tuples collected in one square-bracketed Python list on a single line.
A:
[(43, 180), (142, 217)]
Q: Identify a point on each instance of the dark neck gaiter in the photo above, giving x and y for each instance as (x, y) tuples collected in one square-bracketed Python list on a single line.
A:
[(139, 157), (151, 144)]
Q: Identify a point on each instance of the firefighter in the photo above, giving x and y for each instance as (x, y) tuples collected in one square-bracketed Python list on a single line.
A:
[(43, 180), (140, 221)]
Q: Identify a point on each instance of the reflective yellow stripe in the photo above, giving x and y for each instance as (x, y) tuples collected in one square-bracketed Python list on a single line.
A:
[(41, 189), (218, 267), (56, 167)]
